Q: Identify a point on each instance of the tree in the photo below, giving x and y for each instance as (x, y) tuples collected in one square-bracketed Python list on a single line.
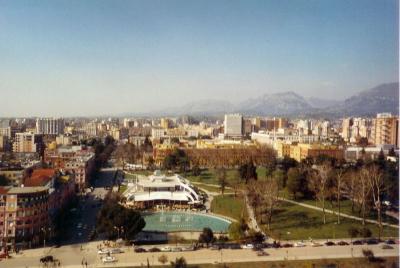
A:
[(179, 263), (279, 176), (207, 236), (376, 184), (294, 181), (163, 259), (365, 232), (222, 179), (339, 177), (363, 191), (196, 170), (114, 219), (392, 152), (248, 172), (319, 182), (4, 181)]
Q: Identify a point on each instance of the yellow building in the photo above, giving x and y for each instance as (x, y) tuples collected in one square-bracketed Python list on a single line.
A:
[(385, 130), (302, 151), (283, 149), (164, 123)]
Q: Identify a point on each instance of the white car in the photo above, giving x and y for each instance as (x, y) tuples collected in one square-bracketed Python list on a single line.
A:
[(108, 259), (299, 244), (165, 249), (316, 244), (103, 251), (248, 246)]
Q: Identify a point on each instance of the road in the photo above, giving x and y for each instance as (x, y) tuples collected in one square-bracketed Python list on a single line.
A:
[(88, 208), (72, 257)]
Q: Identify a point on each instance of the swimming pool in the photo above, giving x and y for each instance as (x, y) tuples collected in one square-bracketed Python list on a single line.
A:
[(184, 222)]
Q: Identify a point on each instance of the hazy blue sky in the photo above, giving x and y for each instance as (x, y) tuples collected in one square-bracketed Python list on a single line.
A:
[(80, 57)]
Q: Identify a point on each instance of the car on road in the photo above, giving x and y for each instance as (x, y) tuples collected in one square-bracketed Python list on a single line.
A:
[(108, 259), (189, 248), (103, 251), (390, 242), (166, 249), (384, 246), (372, 241), (299, 244), (342, 243), (176, 249), (287, 245), (154, 249), (140, 250), (357, 242), (329, 243), (248, 246)]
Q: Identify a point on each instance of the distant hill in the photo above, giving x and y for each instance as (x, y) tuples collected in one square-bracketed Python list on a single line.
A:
[(323, 103), (383, 98), (285, 103)]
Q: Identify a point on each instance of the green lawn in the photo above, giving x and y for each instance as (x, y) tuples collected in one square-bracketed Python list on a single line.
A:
[(122, 188), (210, 176), (345, 207), (296, 222), (212, 188), (230, 206)]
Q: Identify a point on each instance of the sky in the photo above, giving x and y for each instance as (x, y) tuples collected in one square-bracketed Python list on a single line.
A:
[(77, 58)]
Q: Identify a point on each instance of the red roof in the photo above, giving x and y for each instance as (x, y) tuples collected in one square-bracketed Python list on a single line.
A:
[(3, 190), (39, 177)]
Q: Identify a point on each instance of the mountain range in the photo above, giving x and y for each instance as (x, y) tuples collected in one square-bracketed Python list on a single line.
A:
[(382, 98)]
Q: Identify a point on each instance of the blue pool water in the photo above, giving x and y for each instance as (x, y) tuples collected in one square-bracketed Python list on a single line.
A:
[(184, 221)]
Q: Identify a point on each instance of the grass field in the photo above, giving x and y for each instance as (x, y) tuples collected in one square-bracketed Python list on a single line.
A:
[(230, 206), (345, 207), (296, 222), (211, 188)]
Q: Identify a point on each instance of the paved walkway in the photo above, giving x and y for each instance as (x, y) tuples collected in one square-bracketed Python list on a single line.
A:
[(341, 214)]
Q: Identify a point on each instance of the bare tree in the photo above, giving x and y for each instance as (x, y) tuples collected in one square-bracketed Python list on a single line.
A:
[(363, 191), (376, 185), (339, 177), (222, 179), (319, 181)]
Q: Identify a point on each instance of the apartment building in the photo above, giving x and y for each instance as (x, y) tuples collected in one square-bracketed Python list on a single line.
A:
[(385, 129), (50, 126), (27, 142)]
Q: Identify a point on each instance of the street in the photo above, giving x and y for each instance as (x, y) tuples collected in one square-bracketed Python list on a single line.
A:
[(71, 256), (85, 220)]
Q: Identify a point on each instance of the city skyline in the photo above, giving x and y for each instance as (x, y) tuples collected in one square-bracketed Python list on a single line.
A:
[(133, 57)]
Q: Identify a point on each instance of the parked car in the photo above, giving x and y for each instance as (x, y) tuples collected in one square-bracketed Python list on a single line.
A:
[(248, 246), (372, 241), (287, 245), (316, 244), (329, 243), (390, 242), (384, 246), (103, 251), (357, 242), (342, 243), (299, 244), (108, 259), (154, 249), (139, 250), (166, 249), (176, 249), (189, 248)]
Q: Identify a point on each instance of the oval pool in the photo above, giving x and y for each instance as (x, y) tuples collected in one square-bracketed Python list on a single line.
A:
[(173, 221)]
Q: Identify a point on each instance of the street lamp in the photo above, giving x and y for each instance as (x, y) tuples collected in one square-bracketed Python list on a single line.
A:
[(44, 230)]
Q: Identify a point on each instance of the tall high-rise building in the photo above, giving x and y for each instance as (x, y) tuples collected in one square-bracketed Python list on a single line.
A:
[(164, 123), (27, 142), (347, 123), (50, 126), (233, 125), (385, 129)]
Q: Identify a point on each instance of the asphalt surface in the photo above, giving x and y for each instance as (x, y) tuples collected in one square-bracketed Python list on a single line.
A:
[(85, 221)]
